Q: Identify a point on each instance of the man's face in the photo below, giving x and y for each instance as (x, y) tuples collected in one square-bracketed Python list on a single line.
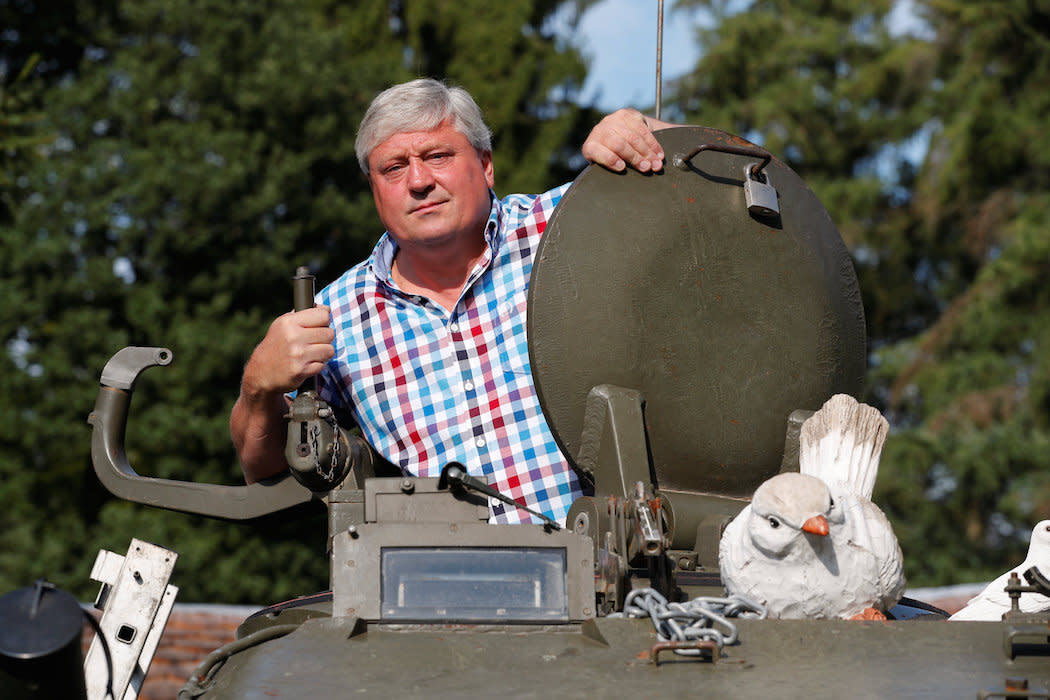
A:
[(431, 187)]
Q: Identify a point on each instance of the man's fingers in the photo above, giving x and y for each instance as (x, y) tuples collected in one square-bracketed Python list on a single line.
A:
[(317, 335), (297, 346), (647, 150), (316, 316), (621, 138), (602, 155)]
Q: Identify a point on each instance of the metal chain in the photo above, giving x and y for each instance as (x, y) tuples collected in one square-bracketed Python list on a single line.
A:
[(315, 432), (330, 419), (700, 619)]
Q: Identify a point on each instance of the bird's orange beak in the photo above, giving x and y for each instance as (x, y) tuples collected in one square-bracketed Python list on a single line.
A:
[(818, 525)]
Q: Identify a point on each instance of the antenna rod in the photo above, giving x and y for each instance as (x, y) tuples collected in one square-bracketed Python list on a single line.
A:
[(659, 54)]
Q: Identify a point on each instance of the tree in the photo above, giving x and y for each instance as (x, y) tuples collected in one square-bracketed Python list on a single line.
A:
[(202, 151), (920, 145), (971, 389)]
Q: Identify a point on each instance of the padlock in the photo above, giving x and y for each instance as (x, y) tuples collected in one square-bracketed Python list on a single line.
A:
[(759, 195)]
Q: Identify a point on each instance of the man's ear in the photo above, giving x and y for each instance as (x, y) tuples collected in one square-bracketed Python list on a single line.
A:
[(488, 167)]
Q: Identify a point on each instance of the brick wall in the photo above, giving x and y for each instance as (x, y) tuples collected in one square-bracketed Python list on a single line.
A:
[(193, 631)]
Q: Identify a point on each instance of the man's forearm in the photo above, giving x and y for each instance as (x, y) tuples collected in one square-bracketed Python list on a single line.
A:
[(259, 432)]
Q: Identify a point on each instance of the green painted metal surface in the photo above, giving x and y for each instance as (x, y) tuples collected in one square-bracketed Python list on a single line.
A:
[(724, 321), (339, 658)]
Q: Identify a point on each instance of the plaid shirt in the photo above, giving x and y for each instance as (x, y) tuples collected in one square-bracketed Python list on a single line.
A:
[(429, 386)]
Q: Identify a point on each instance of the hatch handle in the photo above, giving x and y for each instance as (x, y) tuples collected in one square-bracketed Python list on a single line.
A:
[(682, 162)]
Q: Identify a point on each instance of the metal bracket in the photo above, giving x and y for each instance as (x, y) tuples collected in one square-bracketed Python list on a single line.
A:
[(1014, 688), (706, 649), (136, 601), (613, 445)]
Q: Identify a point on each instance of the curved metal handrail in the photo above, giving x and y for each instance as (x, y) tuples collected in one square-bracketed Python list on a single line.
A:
[(109, 421)]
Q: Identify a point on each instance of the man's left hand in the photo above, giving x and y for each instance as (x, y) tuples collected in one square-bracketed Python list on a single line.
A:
[(624, 138)]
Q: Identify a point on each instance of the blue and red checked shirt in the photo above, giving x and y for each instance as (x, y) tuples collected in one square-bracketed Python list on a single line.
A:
[(430, 386)]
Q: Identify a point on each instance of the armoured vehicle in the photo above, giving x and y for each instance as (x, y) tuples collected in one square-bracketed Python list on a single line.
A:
[(681, 327)]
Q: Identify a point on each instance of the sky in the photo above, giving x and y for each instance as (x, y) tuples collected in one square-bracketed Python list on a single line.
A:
[(619, 38)]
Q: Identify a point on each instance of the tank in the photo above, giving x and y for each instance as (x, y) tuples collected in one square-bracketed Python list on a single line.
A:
[(682, 325)]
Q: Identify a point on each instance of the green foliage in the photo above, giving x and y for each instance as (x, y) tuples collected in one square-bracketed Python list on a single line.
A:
[(973, 390), (923, 145), (199, 152), (164, 167)]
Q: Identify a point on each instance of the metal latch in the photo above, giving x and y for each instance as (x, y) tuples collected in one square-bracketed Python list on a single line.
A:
[(136, 602), (759, 193)]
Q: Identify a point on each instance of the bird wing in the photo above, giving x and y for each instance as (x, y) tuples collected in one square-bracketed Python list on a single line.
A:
[(874, 552), (992, 602), (891, 581), (989, 604)]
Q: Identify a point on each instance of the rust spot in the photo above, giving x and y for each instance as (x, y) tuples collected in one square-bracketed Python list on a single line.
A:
[(691, 200), (734, 421), (709, 650), (643, 655)]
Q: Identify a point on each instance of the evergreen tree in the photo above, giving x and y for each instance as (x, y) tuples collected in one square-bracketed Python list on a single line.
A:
[(971, 390), (920, 144), (202, 150)]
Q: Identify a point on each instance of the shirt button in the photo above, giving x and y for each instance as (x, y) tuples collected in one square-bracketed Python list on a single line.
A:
[(468, 385), (480, 442), (453, 327)]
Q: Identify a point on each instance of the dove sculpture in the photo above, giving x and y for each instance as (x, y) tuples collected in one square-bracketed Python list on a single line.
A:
[(812, 544), (993, 601)]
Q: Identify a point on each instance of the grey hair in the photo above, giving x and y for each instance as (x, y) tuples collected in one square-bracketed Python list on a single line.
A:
[(420, 105)]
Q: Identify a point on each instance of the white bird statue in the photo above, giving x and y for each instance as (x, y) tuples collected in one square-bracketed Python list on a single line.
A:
[(993, 601), (812, 544)]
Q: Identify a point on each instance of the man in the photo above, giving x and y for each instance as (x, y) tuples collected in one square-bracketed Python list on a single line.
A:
[(424, 342)]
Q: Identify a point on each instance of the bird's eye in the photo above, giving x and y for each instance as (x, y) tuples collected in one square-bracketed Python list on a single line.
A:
[(832, 502), (1048, 528), (774, 523)]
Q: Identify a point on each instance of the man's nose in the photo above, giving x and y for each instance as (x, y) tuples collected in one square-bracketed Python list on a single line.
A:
[(420, 178)]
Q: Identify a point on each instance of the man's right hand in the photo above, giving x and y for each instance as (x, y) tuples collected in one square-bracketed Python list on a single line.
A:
[(296, 347)]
